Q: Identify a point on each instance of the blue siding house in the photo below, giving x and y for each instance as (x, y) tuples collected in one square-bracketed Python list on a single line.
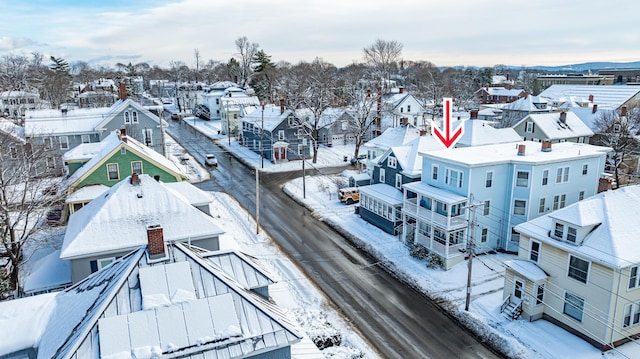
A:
[(514, 183)]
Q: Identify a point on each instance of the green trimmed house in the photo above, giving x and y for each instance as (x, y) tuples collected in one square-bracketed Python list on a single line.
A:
[(95, 165)]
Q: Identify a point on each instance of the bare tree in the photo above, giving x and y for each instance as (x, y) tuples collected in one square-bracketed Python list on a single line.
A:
[(362, 107), (618, 130), (382, 56), (26, 194), (246, 52), (196, 54)]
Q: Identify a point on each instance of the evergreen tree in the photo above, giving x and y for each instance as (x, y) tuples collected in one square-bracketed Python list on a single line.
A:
[(264, 71)]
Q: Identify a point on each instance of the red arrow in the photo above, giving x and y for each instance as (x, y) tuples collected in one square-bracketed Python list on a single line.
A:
[(447, 139)]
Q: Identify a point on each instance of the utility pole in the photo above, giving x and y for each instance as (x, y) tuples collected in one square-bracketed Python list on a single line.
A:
[(161, 118), (262, 137), (257, 201), (304, 185), (470, 247)]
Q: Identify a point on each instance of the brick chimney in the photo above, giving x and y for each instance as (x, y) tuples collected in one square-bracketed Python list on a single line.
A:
[(521, 150), (135, 179), (474, 114), (594, 109), (591, 98), (604, 184), (122, 134), (546, 146), (623, 111), (563, 117), (155, 241), (123, 91), (281, 106), (401, 89)]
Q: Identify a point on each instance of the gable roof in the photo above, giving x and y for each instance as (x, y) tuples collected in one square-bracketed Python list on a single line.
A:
[(191, 305), (529, 104), (394, 136), (56, 122), (408, 155), (118, 220), (13, 131), (613, 242), (550, 125), (479, 133), (501, 91), (384, 192), (111, 145), (248, 271), (606, 96), (118, 107), (270, 117), (589, 117)]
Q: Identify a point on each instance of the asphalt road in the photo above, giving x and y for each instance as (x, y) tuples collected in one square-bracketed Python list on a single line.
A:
[(398, 321)]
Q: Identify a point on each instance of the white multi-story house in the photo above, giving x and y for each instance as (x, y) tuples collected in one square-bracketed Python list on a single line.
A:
[(578, 268), (514, 182)]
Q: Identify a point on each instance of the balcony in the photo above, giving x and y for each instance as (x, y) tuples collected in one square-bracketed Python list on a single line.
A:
[(448, 223)]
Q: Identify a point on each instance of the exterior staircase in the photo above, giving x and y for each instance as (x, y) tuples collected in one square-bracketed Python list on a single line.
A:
[(511, 308)]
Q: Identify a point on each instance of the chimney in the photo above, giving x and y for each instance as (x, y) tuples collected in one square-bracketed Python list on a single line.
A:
[(521, 150), (563, 117), (474, 114), (135, 179), (123, 91), (594, 109), (401, 89), (281, 106), (623, 111), (604, 184), (122, 135), (507, 76), (155, 241), (546, 146), (591, 98)]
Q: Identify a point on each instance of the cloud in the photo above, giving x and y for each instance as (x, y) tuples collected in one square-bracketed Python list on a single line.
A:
[(14, 43)]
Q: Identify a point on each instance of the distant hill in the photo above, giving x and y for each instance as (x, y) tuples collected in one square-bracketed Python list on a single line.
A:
[(594, 67)]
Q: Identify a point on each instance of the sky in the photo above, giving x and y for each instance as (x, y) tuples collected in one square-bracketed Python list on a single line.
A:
[(445, 33)]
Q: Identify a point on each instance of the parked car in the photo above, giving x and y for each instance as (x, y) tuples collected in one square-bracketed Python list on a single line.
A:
[(360, 158), (210, 160), (54, 216), (201, 111), (349, 195)]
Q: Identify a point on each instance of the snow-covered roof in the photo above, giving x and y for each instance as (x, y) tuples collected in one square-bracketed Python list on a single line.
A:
[(501, 91), (23, 321), (408, 155), (529, 104), (111, 144), (118, 220), (271, 117), (613, 242), (248, 271), (508, 153), (384, 192), (191, 193), (605, 96), (479, 133), (48, 272), (83, 151), (86, 193), (172, 309), (12, 130), (527, 269), (589, 117), (55, 122), (551, 125), (435, 192), (394, 136)]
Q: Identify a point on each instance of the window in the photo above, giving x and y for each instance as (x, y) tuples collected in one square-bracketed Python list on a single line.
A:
[(563, 198), (534, 252), (631, 314), (408, 108), (392, 162), (616, 128), (127, 118), (578, 269), (136, 167), (488, 179), (558, 232), (541, 205), (540, 294), (398, 181), (486, 208), (147, 135), (633, 277), (13, 152), (434, 173), (571, 234), (562, 174), (529, 128), (580, 195), (453, 178), (382, 175), (123, 151), (585, 169), (112, 171), (64, 142), (134, 116), (522, 179), (47, 143), (545, 177), (280, 135), (103, 262), (86, 139), (484, 233), (51, 162), (573, 306), (519, 207)]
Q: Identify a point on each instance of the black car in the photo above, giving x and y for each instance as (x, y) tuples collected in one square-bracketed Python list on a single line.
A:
[(201, 111)]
